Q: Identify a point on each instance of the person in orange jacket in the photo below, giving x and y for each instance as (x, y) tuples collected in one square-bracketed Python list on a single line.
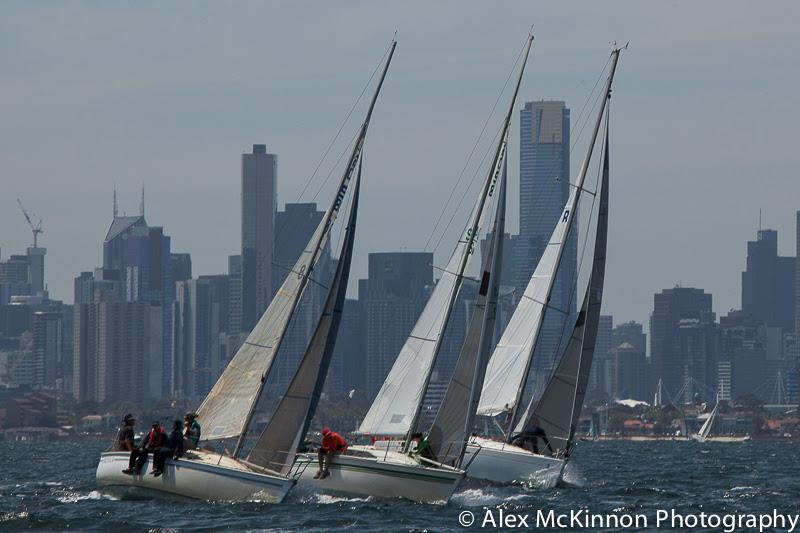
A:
[(332, 443)]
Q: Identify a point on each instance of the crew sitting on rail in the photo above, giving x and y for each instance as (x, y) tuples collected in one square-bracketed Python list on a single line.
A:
[(332, 443)]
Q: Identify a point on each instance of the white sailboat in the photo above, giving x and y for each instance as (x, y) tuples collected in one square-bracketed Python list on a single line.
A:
[(556, 412), (269, 471), (390, 468), (705, 429)]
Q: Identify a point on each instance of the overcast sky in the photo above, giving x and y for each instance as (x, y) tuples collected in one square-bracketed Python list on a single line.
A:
[(704, 121)]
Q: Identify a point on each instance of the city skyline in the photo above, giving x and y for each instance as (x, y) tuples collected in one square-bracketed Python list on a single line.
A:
[(674, 145)]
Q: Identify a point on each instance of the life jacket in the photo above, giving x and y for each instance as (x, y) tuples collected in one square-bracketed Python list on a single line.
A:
[(156, 437)]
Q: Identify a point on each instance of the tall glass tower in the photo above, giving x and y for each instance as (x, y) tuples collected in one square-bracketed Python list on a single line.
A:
[(544, 189)]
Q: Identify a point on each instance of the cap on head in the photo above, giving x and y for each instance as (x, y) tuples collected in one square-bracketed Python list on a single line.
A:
[(326, 431), (156, 423), (128, 418)]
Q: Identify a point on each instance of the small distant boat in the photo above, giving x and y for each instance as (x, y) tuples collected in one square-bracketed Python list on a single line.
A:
[(268, 472)]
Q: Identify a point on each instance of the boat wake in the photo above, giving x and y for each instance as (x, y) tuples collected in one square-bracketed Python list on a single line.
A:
[(74, 497), (480, 497)]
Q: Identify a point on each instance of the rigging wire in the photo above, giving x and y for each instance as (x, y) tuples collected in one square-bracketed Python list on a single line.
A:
[(472, 151)]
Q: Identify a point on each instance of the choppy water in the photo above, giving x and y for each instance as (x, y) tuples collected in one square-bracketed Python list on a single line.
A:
[(52, 487)]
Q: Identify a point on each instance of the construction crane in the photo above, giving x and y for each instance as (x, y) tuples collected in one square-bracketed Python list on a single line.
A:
[(35, 228)]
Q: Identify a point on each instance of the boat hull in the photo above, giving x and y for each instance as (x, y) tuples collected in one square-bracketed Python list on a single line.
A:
[(370, 475), (193, 478), (510, 464)]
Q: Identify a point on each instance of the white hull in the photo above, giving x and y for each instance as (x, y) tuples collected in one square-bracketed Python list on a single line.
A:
[(504, 463), (205, 476), (376, 473)]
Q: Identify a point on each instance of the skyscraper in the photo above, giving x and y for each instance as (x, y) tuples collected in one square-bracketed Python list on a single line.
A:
[(768, 284), (683, 340), (396, 293), (47, 348), (259, 203), (544, 190)]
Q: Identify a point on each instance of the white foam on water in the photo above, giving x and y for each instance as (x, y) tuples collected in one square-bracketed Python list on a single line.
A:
[(573, 477), (7, 517), (480, 497), (328, 499), (74, 497)]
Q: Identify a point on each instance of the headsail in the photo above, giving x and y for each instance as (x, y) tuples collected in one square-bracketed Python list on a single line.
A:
[(278, 444), (397, 406), (454, 419), (559, 408), (229, 407), (507, 374)]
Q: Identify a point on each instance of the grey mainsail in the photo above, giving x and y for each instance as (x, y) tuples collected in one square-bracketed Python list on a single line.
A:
[(559, 407), (453, 423), (278, 444), (229, 407)]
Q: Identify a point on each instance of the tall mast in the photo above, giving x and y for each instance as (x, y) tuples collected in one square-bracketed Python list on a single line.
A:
[(569, 214), (330, 216), (472, 233)]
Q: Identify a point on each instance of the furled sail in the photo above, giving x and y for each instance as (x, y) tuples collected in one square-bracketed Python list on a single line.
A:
[(454, 419), (396, 408), (558, 409), (278, 444), (229, 407), (507, 373)]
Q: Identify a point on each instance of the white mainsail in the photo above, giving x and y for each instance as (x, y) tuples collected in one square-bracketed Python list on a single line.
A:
[(510, 364), (227, 410), (397, 406)]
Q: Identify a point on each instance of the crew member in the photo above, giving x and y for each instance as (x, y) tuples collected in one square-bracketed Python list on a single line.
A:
[(191, 431), (173, 448), (154, 439), (332, 443), (125, 437)]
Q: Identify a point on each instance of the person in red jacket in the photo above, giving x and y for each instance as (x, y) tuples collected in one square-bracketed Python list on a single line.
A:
[(154, 439), (332, 443)]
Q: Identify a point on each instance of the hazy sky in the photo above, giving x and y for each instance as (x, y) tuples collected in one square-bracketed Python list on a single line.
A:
[(704, 121)]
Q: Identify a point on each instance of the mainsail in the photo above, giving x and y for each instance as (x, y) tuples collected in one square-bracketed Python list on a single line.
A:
[(397, 406), (228, 409), (278, 444), (454, 419), (507, 373), (559, 408)]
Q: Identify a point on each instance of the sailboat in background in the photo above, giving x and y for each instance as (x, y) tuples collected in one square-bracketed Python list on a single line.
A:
[(392, 468), (268, 472), (554, 415), (705, 429)]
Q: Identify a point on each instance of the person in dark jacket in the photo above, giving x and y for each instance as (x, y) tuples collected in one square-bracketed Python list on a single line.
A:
[(154, 439), (125, 436), (529, 439), (172, 449)]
